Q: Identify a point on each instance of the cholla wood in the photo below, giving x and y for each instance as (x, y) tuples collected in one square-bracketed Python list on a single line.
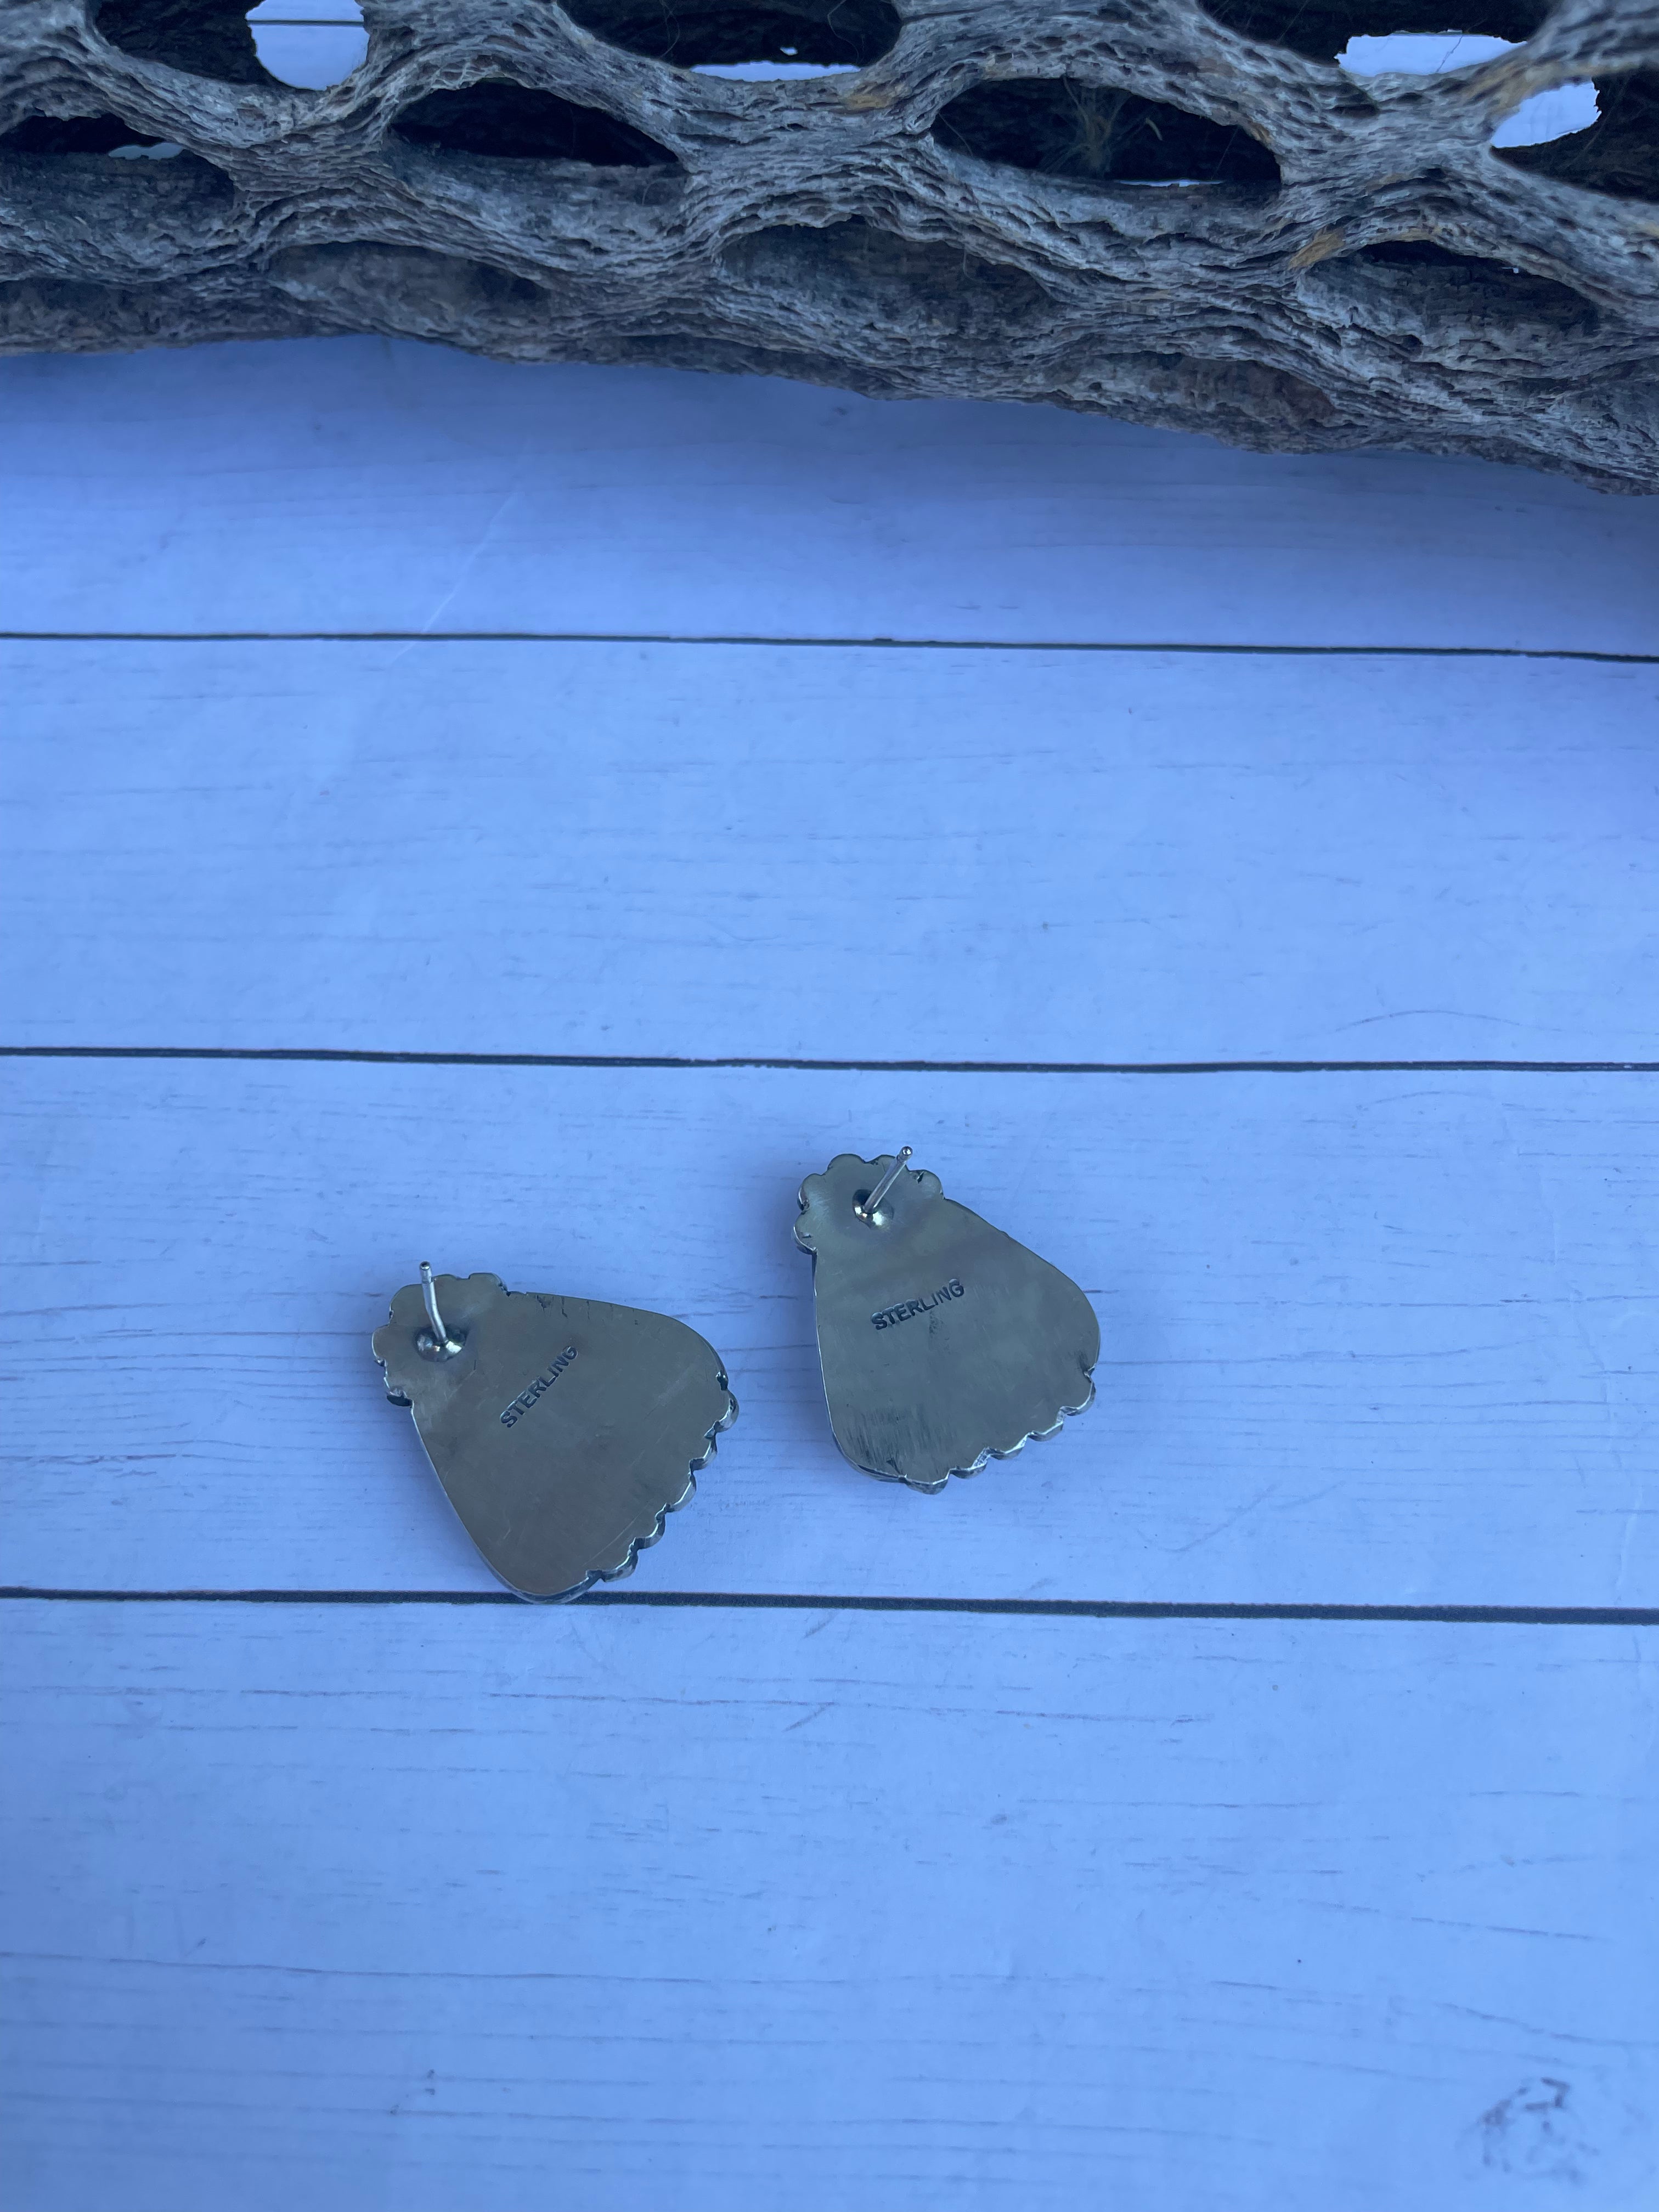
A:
[(1184, 216)]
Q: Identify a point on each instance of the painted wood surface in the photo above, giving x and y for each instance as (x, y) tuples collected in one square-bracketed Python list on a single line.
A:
[(714, 851), (420, 1907), (359, 484), (462, 1907), (1367, 1339)]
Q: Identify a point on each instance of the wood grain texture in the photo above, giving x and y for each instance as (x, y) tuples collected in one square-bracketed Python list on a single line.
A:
[(901, 229), (474, 1910), (415, 1906), (712, 851), (363, 484), (1366, 1339)]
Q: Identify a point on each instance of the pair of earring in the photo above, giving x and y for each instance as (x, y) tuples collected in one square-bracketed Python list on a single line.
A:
[(564, 1431)]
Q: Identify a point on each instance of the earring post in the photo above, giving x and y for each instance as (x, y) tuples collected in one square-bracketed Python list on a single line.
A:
[(868, 1211), (442, 1341)]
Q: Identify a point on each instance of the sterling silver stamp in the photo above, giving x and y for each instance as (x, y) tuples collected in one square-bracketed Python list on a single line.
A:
[(944, 1343), (563, 1431)]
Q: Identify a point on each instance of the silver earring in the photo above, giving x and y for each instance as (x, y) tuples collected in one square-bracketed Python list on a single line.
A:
[(944, 1343), (563, 1431)]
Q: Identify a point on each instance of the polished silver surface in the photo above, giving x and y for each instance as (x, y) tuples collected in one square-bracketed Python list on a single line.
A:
[(563, 1431), (943, 1342)]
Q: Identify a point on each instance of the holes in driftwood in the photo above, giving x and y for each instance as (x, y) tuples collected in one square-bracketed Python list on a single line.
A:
[(1619, 153), (81, 134), (1323, 27), (857, 275), (407, 288), (312, 44), (1067, 129), (45, 138), (1542, 115), (205, 37), (515, 122), (1472, 289), (830, 33)]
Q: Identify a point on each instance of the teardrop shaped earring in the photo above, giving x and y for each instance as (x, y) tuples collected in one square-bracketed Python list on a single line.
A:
[(563, 1431), (944, 1343)]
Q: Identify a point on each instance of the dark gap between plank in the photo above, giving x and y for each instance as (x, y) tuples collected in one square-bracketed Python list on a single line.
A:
[(1060, 1608), (325, 1055), (737, 638)]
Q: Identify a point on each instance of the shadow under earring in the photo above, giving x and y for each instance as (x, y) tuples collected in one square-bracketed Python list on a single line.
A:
[(944, 1343), (563, 1431)]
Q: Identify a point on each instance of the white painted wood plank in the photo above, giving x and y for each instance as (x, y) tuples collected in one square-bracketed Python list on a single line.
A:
[(353, 484), (832, 854), (1376, 1339), (433, 1908)]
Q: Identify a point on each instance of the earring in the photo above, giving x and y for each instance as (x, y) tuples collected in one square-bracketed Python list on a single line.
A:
[(944, 1343), (563, 1431)]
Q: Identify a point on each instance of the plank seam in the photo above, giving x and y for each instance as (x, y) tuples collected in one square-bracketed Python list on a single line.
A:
[(326, 1055), (827, 644), (1514, 1616)]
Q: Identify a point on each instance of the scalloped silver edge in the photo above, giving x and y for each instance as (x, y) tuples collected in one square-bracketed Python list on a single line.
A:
[(991, 1451), (641, 1543), (923, 1175)]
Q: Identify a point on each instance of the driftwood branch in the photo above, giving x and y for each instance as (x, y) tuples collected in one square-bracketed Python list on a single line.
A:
[(1185, 216)]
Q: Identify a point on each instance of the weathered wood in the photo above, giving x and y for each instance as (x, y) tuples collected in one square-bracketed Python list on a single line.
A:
[(1375, 1339), (445, 1907), (847, 854), (431, 1907), (364, 484), (1139, 211)]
